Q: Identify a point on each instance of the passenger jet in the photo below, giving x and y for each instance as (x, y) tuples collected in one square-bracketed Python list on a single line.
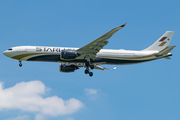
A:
[(91, 56)]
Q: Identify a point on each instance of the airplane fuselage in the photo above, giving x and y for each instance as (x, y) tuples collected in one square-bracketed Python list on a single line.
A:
[(104, 56)]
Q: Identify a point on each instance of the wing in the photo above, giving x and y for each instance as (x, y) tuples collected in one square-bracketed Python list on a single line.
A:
[(95, 46)]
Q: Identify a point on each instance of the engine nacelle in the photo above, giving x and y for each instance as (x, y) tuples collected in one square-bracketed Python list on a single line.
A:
[(68, 54), (67, 68)]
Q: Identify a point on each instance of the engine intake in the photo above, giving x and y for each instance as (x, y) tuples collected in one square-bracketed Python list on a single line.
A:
[(68, 54), (67, 68)]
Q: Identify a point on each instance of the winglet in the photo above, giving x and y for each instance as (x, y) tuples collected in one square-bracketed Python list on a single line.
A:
[(123, 24)]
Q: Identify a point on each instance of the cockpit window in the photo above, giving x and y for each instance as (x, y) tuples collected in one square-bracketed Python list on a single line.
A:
[(10, 49)]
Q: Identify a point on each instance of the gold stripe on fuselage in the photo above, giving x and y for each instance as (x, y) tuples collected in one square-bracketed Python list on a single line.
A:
[(21, 56), (127, 57)]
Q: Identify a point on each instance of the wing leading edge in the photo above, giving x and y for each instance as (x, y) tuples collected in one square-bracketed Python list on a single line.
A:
[(95, 46)]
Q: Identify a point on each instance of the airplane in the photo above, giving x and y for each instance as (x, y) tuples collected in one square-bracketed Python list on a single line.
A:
[(91, 56)]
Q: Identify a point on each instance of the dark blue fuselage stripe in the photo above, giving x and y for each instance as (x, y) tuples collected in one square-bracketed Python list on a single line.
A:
[(56, 58)]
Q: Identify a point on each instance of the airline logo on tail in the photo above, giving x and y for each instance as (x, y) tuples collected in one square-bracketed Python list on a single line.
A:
[(162, 39), (163, 43)]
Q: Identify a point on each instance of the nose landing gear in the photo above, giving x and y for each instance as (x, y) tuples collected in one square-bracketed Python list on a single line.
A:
[(20, 64)]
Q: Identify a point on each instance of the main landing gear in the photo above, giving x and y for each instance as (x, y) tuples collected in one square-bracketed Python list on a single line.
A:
[(88, 65), (87, 71), (20, 64)]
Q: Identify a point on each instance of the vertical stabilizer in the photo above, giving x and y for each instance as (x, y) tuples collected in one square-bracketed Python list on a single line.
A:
[(162, 42)]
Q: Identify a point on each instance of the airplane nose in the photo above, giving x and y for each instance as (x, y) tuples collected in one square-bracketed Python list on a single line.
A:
[(6, 53)]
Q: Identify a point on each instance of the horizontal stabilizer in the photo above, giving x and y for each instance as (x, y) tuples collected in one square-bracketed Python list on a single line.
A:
[(165, 51), (167, 57)]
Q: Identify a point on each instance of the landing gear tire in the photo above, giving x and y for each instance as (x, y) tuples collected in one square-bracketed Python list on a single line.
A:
[(20, 65), (86, 71), (92, 67), (91, 74), (87, 64)]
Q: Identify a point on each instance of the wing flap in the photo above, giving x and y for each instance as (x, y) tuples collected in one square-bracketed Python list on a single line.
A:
[(103, 68)]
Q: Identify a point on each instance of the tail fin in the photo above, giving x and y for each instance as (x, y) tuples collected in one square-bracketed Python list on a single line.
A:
[(162, 42)]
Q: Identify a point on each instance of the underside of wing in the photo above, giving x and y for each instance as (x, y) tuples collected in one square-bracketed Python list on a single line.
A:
[(95, 46)]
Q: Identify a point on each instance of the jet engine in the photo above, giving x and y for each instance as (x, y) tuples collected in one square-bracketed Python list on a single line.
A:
[(68, 54), (67, 68)]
